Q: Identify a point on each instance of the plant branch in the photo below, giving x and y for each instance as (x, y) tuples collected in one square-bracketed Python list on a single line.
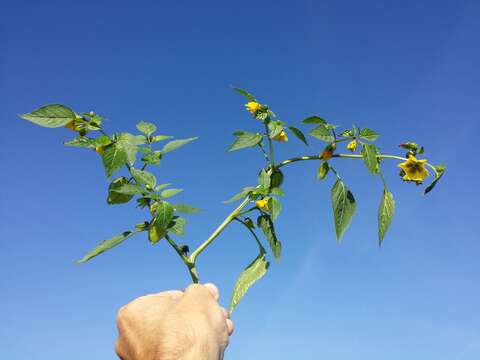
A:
[(219, 229), (191, 266)]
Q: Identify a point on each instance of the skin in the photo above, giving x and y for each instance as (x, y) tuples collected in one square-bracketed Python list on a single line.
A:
[(174, 325)]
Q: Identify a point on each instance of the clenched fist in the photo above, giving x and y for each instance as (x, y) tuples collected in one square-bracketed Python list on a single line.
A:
[(174, 325)]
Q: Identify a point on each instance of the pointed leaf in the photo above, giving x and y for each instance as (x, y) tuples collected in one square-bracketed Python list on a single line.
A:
[(177, 226), (253, 272), (385, 214), (323, 133), (175, 144), (159, 225), (244, 140), (144, 177), (275, 207), (185, 209), (344, 206), (299, 134), (265, 223), (50, 116), (114, 157), (146, 128), (440, 171), (249, 96), (107, 245), (116, 197), (314, 120), (368, 134), (170, 192), (369, 154), (242, 194)]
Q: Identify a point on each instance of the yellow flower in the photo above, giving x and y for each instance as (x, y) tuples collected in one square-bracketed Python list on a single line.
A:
[(253, 107), (100, 150), (262, 204), (352, 146), (281, 137), (413, 169), (72, 125)]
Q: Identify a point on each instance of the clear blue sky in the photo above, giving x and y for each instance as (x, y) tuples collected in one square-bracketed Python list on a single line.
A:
[(409, 69)]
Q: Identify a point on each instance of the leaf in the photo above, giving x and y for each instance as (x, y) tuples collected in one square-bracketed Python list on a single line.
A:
[(368, 134), (143, 177), (275, 207), (50, 116), (152, 158), (175, 144), (385, 214), (249, 96), (146, 128), (115, 197), (277, 191), (107, 245), (80, 141), (344, 206), (299, 134), (177, 226), (264, 180), (265, 223), (244, 140), (369, 154), (114, 157), (161, 186), (274, 128), (252, 273), (159, 225), (128, 143), (314, 120), (158, 138), (170, 192), (242, 194), (440, 170), (128, 189), (347, 133), (323, 170), (321, 132), (185, 209)]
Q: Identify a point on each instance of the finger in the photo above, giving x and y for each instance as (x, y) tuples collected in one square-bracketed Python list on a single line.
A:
[(225, 313), (213, 290), (230, 327)]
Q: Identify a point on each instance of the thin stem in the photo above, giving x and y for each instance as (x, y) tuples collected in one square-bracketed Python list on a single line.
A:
[(260, 145), (317, 157), (270, 148), (191, 267), (252, 232), (219, 229)]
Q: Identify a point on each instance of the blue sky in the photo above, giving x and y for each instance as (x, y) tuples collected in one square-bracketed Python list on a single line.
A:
[(408, 70)]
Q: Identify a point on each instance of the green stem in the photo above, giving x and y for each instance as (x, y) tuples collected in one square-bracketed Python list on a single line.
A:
[(262, 249), (191, 266), (353, 156), (270, 148), (218, 230)]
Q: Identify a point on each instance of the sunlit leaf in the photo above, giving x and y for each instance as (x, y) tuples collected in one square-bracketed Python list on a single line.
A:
[(50, 116)]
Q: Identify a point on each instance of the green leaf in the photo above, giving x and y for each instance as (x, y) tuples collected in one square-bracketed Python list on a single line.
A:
[(177, 226), (144, 177), (275, 207), (299, 134), (264, 180), (161, 186), (107, 245), (152, 158), (50, 116), (249, 96), (128, 143), (347, 133), (128, 189), (314, 120), (102, 141), (277, 191), (344, 206), (274, 128), (175, 144), (242, 194), (369, 154), (368, 134), (115, 197), (253, 272), (265, 223), (244, 140), (321, 132), (159, 225), (114, 157), (185, 209), (170, 192), (323, 170), (81, 141), (158, 138), (146, 128), (385, 214), (440, 171)]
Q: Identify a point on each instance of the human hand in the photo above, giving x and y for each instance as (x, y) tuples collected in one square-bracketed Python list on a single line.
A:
[(174, 325)]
